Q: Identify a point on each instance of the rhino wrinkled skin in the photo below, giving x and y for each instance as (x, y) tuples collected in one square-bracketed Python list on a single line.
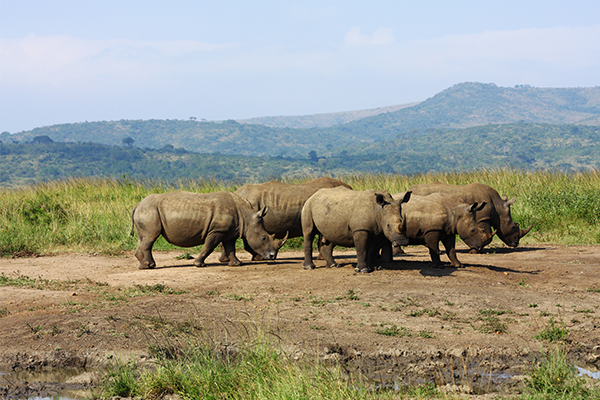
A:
[(344, 217), (285, 202), (496, 213), (190, 219), (440, 217)]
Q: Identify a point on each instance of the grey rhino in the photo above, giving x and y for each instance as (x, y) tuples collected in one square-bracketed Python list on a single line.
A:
[(189, 219), (495, 214), (285, 203), (344, 217), (440, 217)]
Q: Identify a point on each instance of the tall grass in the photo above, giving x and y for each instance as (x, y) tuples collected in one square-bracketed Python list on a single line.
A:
[(254, 368), (94, 215)]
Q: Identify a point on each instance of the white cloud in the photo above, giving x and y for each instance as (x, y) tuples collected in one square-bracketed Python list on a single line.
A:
[(380, 36), (53, 61)]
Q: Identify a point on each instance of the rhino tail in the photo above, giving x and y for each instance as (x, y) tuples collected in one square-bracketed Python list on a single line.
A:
[(132, 221)]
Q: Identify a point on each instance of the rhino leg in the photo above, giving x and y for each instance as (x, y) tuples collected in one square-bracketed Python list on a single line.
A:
[(432, 240), (450, 246), (387, 254), (308, 231), (361, 243), (212, 241), (229, 251), (223, 257), (143, 252), (326, 252)]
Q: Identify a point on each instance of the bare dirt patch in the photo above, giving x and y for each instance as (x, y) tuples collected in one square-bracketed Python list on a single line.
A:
[(405, 323)]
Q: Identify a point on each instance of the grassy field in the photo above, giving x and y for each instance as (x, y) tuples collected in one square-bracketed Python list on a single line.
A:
[(94, 215)]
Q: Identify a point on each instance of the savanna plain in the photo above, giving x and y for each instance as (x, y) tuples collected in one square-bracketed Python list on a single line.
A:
[(512, 323)]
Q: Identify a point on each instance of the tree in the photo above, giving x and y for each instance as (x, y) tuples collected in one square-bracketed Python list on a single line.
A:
[(44, 139), (312, 155), (128, 141)]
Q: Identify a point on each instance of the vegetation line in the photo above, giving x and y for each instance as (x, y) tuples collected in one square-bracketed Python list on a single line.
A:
[(94, 214)]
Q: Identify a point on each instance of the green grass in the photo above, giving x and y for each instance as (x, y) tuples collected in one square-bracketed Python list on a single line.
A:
[(253, 369), (94, 214), (556, 378)]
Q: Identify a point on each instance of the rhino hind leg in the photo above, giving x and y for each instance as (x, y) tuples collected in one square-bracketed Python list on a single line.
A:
[(432, 240), (326, 253), (143, 252)]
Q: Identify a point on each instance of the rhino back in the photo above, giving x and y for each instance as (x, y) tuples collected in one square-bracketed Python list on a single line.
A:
[(285, 202), (187, 218)]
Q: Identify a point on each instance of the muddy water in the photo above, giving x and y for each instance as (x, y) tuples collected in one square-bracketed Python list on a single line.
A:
[(64, 384)]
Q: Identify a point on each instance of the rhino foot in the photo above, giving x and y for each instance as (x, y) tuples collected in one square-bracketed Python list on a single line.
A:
[(364, 270), (257, 257), (235, 263), (474, 251), (223, 259), (147, 265), (309, 266), (199, 264), (334, 265)]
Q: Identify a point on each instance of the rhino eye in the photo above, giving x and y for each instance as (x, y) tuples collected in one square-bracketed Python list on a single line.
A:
[(264, 238)]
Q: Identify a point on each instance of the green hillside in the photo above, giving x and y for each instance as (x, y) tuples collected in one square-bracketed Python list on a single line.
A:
[(461, 106), (523, 146)]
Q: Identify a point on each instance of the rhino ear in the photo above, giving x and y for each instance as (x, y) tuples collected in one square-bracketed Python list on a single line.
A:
[(406, 197), (511, 201), (380, 199)]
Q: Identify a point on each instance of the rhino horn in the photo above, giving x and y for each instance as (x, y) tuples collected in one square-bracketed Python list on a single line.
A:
[(525, 231), (511, 201), (282, 241)]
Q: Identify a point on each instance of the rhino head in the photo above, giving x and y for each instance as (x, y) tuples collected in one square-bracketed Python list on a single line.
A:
[(509, 232), (391, 218), (475, 235), (259, 239)]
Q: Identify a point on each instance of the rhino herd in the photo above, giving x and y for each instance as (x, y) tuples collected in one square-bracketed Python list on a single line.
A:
[(374, 222)]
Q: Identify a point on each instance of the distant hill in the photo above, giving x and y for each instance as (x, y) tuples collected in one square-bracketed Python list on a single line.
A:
[(321, 120), (525, 146), (461, 106)]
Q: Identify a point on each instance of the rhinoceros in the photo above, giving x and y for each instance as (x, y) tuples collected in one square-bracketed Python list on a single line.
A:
[(344, 217), (285, 203), (496, 213), (440, 217), (189, 219)]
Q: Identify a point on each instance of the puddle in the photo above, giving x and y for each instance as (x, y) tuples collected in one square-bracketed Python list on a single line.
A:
[(63, 384), (583, 371)]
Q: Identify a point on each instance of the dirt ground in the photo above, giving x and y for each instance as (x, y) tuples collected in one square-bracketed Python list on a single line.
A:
[(471, 327)]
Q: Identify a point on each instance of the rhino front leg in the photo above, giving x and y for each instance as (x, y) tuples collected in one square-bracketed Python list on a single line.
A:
[(432, 240), (211, 242), (361, 243), (450, 246), (229, 251)]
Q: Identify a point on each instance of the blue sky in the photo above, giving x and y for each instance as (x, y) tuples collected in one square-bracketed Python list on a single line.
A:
[(89, 60)]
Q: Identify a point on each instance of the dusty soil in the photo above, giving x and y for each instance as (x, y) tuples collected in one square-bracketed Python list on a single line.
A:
[(472, 326)]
